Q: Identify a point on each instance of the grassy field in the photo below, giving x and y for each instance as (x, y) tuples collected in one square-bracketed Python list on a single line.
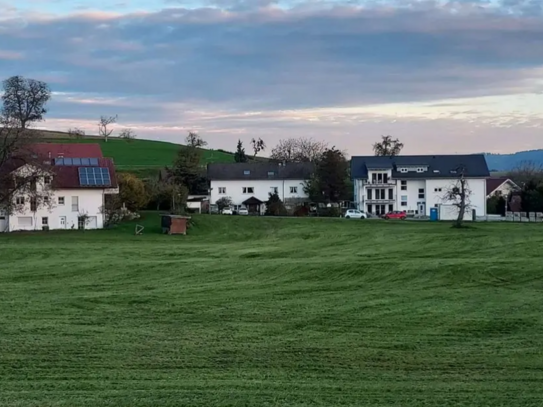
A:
[(142, 157), (274, 312)]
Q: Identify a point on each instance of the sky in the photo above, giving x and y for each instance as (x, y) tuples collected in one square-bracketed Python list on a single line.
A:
[(442, 76)]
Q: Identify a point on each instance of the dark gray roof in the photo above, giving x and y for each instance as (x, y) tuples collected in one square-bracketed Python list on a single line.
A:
[(439, 166), (259, 171)]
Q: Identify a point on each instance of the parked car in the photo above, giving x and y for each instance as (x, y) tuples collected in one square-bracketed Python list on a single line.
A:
[(243, 211), (355, 214), (395, 215), (227, 211)]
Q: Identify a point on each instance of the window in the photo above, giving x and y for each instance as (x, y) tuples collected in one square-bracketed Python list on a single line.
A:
[(61, 200), (46, 200), (75, 204), (248, 190), (437, 189), (274, 190), (20, 200), (370, 193), (404, 203), (45, 221), (81, 222), (33, 204), (293, 190), (420, 169), (390, 208), (47, 180), (403, 170), (246, 172), (33, 185), (390, 194), (271, 174), (421, 193), (222, 190), (404, 185)]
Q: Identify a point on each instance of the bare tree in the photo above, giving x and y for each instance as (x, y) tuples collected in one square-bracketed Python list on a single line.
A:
[(526, 172), (103, 126), (76, 133), (298, 150), (128, 135), (258, 146), (388, 147), (25, 178), (458, 195), (24, 100), (195, 141)]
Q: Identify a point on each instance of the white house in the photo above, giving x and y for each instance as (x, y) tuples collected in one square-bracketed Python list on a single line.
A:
[(68, 193), (250, 184), (496, 186), (416, 184)]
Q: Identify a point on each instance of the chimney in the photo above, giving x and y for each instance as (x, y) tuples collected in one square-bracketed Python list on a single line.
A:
[(49, 154)]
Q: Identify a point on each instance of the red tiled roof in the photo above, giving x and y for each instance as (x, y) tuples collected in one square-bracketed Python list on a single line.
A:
[(67, 177), (493, 183), (68, 150)]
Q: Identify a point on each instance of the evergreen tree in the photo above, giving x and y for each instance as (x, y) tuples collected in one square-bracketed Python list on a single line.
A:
[(240, 156), (274, 206)]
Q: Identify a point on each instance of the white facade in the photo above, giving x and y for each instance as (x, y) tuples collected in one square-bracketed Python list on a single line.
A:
[(240, 190), (505, 189), (415, 196), (64, 210)]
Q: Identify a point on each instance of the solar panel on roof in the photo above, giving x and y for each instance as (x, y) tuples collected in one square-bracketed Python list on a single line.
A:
[(76, 161), (94, 176), (85, 161), (93, 161)]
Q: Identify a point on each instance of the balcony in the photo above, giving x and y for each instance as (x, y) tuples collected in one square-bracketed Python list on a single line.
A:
[(380, 201), (379, 184)]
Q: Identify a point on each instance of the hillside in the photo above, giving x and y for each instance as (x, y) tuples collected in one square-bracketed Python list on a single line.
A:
[(273, 312), (143, 157), (508, 162)]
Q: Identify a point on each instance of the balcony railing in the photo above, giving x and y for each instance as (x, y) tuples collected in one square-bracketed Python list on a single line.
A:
[(380, 201), (376, 183)]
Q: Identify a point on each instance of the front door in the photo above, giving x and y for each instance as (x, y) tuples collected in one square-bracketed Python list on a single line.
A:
[(422, 210), (62, 222)]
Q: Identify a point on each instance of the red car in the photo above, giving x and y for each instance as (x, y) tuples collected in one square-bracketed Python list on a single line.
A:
[(395, 215)]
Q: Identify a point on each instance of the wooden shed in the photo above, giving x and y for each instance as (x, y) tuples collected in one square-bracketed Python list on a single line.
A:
[(175, 224)]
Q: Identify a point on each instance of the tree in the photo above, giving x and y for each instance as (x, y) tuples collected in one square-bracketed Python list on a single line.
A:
[(21, 170), (164, 193), (76, 133), (531, 196), (388, 147), (526, 172), (330, 180), (274, 206), (103, 126), (240, 156), (132, 192), (195, 141), (496, 205), (258, 146), (298, 150), (24, 100), (186, 168), (224, 202), (127, 134), (458, 195)]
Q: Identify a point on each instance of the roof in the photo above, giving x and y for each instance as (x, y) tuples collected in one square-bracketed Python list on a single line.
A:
[(259, 171), (69, 150), (439, 166), (252, 201), (67, 177), (494, 183)]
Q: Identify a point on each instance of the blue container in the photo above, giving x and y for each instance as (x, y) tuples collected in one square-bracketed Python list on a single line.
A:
[(433, 214)]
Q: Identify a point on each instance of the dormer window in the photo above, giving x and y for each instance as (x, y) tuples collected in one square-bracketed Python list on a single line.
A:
[(453, 171), (403, 170), (420, 169), (46, 180), (271, 174), (246, 172)]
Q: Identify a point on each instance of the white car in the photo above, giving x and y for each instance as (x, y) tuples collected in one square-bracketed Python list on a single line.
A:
[(355, 214), (227, 211), (243, 211)]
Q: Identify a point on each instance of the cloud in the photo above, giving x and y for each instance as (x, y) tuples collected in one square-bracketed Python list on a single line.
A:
[(229, 58)]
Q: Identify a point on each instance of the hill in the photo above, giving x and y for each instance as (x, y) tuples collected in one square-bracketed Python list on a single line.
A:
[(508, 162), (273, 312), (143, 157)]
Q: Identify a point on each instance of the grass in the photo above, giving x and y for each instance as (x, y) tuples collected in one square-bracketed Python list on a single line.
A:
[(273, 312), (142, 157)]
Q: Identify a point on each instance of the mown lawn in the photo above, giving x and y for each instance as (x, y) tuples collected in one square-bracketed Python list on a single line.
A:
[(274, 312)]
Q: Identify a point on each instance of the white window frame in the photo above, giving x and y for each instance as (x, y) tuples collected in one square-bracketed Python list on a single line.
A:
[(45, 221), (420, 169), (75, 204), (274, 190), (403, 186), (293, 190), (248, 190), (47, 178), (61, 200), (222, 190), (423, 193), (20, 200)]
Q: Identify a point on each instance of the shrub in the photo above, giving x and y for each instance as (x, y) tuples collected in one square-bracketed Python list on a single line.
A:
[(274, 206), (332, 212), (224, 202), (301, 211)]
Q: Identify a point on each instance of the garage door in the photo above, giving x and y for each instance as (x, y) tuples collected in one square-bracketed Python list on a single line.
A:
[(93, 222), (24, 222)]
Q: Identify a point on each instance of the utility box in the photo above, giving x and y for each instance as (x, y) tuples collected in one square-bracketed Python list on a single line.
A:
[(433, 214), (175, 224)]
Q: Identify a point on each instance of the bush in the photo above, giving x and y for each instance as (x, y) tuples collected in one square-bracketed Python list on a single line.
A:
[(224, 202), (274, 206), (301, 211), (332, 212)]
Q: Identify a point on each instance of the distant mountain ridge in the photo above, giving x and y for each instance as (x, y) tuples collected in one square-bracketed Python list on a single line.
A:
[(507, 162)]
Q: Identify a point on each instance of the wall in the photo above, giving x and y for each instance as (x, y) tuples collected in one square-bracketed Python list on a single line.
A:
[(262, 188), (412, 193), (90, 203), (503, 190), (477, 197), (450, 212)]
